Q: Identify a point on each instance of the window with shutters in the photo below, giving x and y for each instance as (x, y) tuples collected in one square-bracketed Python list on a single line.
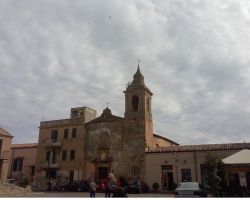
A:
[(74, 132), (64, 155), (72, 155)]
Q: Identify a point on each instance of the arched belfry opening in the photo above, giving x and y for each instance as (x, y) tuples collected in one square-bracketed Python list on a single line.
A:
[(148, 105), (135, 103)]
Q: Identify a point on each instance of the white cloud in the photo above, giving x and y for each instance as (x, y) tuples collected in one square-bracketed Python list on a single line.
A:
[(195, 58)]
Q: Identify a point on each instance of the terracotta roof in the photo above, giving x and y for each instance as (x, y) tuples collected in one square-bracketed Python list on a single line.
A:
[(202, 147), (5, 133), (27, 145), (168, 140)]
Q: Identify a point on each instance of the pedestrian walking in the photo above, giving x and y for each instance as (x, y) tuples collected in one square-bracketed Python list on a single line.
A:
[(49, 184), (92, 188)]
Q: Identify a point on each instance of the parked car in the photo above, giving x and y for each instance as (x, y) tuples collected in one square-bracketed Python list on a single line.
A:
[(144, 187), (190, 189), (137, 186), (76, 186)]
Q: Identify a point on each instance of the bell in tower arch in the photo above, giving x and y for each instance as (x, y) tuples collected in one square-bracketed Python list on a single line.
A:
[(135, 103)]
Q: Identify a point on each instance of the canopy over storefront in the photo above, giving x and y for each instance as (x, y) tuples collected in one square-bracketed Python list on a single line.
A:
[(241, 157)]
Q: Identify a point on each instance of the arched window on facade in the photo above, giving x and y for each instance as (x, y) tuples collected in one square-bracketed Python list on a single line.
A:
[(135, 103)]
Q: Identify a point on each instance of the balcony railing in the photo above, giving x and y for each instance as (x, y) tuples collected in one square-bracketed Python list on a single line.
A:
[(4, 155), (52, 143), (49, 164)]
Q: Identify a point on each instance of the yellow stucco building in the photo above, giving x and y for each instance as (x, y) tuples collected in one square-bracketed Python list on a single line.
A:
[(5, 146)]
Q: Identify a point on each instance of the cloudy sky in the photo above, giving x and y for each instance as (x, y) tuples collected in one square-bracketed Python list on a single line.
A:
[(195, 57)]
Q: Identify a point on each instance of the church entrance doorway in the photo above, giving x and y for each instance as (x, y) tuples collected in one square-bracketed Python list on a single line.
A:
[(103, 172)]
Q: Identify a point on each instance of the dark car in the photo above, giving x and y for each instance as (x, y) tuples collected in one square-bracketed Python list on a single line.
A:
[(81, 186), (190, 189), (137, 186)]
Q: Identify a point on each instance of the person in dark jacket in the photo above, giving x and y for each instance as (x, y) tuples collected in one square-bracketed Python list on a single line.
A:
[(121, 189), (108, 188)]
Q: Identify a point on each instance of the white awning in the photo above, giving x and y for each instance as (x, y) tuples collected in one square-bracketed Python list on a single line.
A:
[(241, 157)]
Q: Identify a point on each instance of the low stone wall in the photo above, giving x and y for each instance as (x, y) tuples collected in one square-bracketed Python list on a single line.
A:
[(11, 190)]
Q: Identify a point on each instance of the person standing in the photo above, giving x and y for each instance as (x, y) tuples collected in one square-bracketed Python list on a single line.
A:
[(108, 188), (121, 189), (110, 185), (92, 188), (123, 185)]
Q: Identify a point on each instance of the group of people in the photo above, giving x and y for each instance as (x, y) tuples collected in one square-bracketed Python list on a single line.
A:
[(116, 188)]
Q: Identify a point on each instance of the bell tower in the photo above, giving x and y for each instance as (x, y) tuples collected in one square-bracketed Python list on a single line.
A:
[(138, 112)]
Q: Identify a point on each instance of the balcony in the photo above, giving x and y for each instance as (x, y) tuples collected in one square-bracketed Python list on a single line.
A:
[(52, 143), (4, 155), (49, 165)]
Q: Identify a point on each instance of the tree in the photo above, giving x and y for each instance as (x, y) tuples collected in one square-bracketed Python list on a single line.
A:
[(216, 178)]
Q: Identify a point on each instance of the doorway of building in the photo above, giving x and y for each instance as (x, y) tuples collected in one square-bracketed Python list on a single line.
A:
[(1, 163), (167, 177), (167, 180), (71, 176), (248, 180), (103, 172)]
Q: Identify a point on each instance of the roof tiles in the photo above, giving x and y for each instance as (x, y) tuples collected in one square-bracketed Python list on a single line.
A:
[(27, 145), (202, 147)]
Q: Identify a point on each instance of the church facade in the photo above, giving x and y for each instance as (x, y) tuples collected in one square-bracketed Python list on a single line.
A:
[(85, 146)]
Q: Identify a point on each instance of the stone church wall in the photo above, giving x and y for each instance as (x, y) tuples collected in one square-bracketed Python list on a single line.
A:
[(104, 144)]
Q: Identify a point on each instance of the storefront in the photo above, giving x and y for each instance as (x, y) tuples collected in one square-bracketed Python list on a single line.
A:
[(238, 168)]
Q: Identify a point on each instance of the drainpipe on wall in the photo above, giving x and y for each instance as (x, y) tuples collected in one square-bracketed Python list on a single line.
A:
[(176, 169), (13, 155), (195, 165), (177, 182)]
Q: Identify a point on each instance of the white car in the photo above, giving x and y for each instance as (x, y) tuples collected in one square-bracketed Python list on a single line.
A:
[(189, 189)]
